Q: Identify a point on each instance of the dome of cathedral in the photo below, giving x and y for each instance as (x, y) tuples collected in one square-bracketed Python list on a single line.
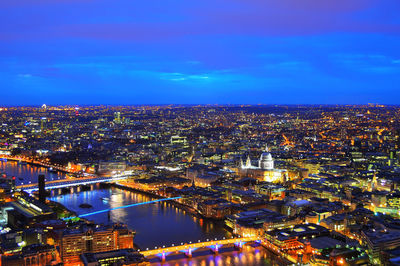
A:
[(266, 162), (266, 156)]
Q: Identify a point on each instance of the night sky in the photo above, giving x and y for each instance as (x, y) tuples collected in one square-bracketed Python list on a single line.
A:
[(207, 52)]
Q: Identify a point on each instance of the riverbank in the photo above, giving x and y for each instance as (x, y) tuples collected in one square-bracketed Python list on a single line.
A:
[(60, 208), (282, 259), (155, 224), (176, 204), (36, 164)]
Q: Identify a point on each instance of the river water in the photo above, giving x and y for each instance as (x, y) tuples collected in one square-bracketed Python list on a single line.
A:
[(156, 224), (26, 173)]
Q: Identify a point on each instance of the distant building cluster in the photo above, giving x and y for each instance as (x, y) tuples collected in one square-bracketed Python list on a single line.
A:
[(325, 190)]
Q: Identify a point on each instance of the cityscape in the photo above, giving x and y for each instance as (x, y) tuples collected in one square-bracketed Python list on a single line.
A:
[(248, 185), (200, 133)]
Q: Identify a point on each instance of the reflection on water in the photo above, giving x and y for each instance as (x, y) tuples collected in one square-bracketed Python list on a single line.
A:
[(156, 223), (162, 223), (26, 173), (248, 256)]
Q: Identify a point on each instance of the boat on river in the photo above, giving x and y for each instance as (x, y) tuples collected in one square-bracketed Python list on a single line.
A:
[(85, 206), (105, 200)]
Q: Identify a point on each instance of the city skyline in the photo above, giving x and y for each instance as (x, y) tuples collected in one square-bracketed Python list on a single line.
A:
[(213, 52), (182, 184), (214, 132)]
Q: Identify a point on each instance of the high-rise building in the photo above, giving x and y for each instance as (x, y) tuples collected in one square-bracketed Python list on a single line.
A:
[(98, 239), (42, 190), (42, 124), (117, 117)]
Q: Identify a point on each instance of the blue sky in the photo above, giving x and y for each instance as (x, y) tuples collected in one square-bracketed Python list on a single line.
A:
[(210, 51)]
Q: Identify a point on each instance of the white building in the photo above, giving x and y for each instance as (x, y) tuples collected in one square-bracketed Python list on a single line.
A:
[(265, 169)]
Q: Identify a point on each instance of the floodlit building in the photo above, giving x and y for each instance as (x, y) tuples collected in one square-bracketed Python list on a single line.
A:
[(265, 170), (98, 239)]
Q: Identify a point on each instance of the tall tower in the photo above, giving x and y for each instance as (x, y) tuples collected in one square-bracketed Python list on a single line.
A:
[(248, 162), (374, 184), (42, 124), (42, 190), (117, 117), (241, 164)]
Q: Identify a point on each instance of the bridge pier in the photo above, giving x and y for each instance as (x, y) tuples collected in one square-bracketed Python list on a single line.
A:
[(239, 245), (188, 253), (163, 257), (215, 249), (188, 249)]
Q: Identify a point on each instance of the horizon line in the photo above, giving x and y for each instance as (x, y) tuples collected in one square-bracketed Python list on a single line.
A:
[(207, 104)]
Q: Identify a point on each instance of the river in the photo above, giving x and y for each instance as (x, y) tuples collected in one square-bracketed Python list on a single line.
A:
[(26, 173), (162, 223), (156, 224)]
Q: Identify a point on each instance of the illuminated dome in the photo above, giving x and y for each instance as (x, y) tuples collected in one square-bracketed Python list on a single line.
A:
[(266, 156), (266, 161)]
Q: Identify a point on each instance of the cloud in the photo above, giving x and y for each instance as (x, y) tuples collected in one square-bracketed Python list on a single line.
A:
[(194, 48), (185, 77), (371, 63), (25, 75)]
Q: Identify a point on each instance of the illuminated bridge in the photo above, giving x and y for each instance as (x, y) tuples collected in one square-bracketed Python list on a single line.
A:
[(188, 248), (122, 207), (63, 183)]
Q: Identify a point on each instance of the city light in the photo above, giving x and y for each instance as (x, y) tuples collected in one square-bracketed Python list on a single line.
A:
[(127, 206), (309, 184)]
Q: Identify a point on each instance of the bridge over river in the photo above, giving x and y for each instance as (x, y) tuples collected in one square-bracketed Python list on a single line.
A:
[(63, 183), (189, 248)]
